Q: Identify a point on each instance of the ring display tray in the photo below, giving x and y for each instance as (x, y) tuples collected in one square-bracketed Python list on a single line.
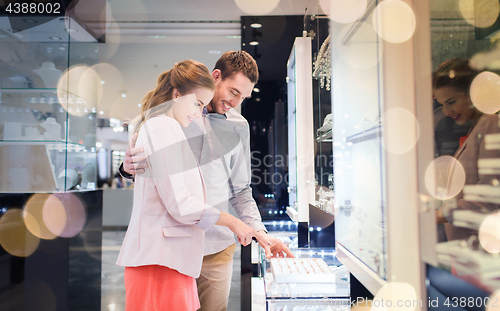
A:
[(301, 270)]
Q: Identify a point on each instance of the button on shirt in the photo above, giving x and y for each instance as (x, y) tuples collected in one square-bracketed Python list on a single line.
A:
[(221, 143)]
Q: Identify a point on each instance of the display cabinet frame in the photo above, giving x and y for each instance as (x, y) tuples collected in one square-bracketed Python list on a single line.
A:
[(300, 128)]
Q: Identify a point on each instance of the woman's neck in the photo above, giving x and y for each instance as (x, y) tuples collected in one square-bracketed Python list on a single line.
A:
[(170, 113), (475, 117)]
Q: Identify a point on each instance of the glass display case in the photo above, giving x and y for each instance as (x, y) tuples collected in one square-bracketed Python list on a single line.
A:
[(359, 152), (323, 283), (322, 114), (375, 136), (51, 215), (48, 110), (313, 279)]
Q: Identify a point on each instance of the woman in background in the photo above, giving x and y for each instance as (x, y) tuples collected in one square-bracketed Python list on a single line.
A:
[(163, 248), (451, 84)]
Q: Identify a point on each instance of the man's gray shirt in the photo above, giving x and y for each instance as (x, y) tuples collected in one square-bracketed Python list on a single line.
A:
[(221, 143)]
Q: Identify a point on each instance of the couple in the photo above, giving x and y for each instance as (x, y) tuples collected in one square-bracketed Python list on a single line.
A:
[(187, 128)]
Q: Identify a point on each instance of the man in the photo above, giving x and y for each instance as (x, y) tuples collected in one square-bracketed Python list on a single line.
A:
[(221, 142)]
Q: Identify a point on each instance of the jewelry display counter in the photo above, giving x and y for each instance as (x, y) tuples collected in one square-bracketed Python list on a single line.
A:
[(313, 280)]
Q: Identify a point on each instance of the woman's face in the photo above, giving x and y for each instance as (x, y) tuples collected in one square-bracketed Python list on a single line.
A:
[(186, 108), (455, 104)]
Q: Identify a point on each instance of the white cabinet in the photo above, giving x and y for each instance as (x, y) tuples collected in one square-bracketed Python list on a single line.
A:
[(301, 183)]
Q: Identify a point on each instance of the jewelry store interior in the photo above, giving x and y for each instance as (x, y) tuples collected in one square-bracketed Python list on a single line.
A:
[(374, 138)]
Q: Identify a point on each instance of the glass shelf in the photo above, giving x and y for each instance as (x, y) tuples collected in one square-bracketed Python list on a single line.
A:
[(366, 135), (325, 137), (29, 90), (51, 144)]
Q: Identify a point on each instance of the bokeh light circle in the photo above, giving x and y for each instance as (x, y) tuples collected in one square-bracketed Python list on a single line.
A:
[(15, 237), (444, 177), (68, 91), (92, 238), (388, 296), (109, 94), (394, 21), (85, 11), (33, 216), (129, 32), (362, 51), (64, 214), (401, 130), (42, 297), (489, 233), (481, 14), (113, 40), (90, 88), (257, 7), (493, 303), (345, 11), (485, 92)]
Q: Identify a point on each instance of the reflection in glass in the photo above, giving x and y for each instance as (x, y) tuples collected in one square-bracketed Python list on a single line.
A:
[(466, 99)]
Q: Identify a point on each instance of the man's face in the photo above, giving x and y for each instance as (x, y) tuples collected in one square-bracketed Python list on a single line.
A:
[(230, 92)]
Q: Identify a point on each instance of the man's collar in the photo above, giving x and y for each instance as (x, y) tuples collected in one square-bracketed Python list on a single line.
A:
[(213, 114)]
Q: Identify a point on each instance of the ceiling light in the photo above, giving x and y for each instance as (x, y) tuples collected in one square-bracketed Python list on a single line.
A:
[(70, 30), (62, 48), (233, 37), (101, 112), (255, 25), (30, 21), (256, 90), (49, 48), (55, 38), (124, 95), (102, 82), (157, 37), (139, 105), (254, 43), (257, 99)]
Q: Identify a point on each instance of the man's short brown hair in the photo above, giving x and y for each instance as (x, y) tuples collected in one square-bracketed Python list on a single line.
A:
[(232, 62)]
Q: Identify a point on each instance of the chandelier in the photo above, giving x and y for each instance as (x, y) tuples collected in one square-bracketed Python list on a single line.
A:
[(322, 65)]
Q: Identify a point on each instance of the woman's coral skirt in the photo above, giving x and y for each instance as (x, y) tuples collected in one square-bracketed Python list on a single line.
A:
[(155, 288)]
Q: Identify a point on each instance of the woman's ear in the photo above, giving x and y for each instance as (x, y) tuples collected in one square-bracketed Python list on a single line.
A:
[(175, 94)]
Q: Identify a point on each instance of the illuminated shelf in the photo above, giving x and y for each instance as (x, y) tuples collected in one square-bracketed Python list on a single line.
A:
[(369, 134), (51, 144), (30, 90)]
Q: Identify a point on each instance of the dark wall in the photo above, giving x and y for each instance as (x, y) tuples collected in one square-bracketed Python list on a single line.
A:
[(269, 133)]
